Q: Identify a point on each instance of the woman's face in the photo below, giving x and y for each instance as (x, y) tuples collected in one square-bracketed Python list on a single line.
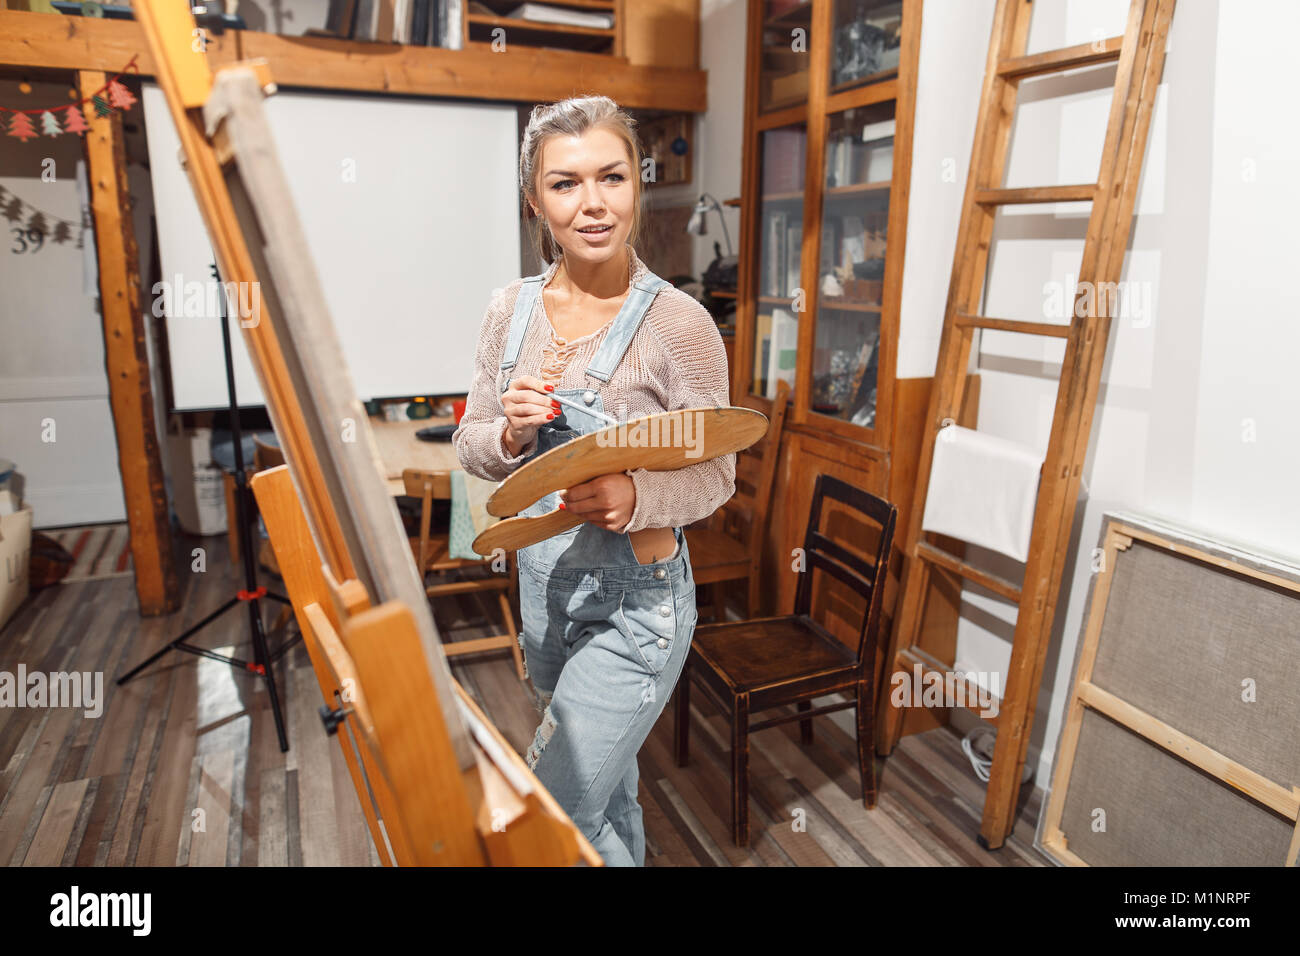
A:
[(585, 183)]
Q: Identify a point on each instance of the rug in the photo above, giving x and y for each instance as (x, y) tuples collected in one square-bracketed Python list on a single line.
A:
[(98, 551)]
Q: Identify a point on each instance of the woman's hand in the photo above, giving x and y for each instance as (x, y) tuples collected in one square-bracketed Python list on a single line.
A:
[(527, 407), (606, 501)]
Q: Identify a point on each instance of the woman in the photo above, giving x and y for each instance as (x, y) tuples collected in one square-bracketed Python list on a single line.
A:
[(608, 607)]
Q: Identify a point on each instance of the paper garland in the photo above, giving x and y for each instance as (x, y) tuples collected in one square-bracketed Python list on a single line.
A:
[(112, 96), (59, 230)]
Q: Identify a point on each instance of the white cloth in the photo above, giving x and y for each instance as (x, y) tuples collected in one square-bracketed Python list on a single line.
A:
[(983, 490)]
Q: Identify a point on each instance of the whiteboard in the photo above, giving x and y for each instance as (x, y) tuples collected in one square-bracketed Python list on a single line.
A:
[(411, 213)]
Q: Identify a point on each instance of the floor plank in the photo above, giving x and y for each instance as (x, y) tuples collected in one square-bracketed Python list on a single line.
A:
[(192, 733)]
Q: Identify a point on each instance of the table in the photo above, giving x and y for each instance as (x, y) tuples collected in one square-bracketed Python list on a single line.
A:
[(400, 449)]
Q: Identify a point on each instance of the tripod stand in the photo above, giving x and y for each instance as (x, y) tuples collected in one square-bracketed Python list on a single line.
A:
[(252, 593)]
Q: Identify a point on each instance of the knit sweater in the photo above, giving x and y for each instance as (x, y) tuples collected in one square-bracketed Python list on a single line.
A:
[(675, 360)]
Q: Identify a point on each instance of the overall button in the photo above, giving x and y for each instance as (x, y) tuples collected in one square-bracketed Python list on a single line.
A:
[(662, 642), (660, 574), (588, 396), (664, 610)]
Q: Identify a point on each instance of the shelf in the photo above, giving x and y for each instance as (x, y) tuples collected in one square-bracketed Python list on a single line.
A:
[(857, 190), (846, 305), (797, 17), (880, 77), (537, 26), (524, 74)]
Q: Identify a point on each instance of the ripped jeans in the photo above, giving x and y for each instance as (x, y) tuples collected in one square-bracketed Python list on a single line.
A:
[(604, 647)]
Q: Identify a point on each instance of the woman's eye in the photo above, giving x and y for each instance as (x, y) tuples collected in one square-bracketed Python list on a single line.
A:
[(618, 177)]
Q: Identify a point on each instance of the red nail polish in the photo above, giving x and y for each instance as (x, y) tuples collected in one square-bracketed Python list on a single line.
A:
[(550, 415), (562, 506), (550, 388)]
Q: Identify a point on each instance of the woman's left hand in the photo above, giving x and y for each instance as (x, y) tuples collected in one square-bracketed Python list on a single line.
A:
[(606, 501)]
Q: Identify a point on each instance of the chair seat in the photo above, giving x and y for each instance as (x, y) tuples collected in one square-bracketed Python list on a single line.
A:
[(440, 558), (711, 549), (773, 656)]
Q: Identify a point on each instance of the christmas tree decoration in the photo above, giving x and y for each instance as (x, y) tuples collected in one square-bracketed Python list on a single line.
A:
[(31, 220), (74, 121), (113, 96), (21, 127), (119, 96)]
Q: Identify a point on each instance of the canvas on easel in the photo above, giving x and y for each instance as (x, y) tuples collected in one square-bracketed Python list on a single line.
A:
[(435, 780)]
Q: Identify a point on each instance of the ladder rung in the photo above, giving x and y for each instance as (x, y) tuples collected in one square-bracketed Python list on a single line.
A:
[(963, 320), (910, 657), (1067, 58), (955, 564), (1083, 192)]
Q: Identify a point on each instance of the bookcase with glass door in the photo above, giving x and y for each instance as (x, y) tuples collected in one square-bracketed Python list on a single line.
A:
[(830, 94)]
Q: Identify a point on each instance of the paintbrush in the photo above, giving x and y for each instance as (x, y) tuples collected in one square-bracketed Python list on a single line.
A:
[(582, 408)]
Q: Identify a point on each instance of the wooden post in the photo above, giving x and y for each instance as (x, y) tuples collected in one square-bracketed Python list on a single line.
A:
[(127, 363)]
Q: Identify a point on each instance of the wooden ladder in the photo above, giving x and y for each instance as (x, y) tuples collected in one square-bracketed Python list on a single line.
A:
[(1139, 55)]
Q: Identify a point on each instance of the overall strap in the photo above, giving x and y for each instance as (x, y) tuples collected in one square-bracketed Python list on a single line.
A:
[(628, 320), (519, 320)]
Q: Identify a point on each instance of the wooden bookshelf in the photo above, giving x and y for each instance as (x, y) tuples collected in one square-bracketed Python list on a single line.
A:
[(654, 79), (844, 336)]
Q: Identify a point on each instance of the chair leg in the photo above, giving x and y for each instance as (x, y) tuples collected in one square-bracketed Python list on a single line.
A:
[(866, 743), (719, 601), (508, 616), (805, 726), (682, 715), (740, 771)]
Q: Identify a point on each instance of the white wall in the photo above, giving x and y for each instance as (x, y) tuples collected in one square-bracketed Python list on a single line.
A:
[(721, 128), (1196, 417), (52, 342)]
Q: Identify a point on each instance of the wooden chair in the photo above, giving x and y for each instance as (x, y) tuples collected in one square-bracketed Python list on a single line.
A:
[(728, 545), (750, 666), (433, 553)]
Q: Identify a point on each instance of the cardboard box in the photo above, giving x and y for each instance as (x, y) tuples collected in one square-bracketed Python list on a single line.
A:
[(198, 489), (15, 560)]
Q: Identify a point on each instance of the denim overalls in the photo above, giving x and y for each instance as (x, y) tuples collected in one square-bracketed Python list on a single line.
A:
[(604, 637)]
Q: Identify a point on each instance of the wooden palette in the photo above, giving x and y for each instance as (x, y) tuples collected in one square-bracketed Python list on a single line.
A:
[(655, 442)]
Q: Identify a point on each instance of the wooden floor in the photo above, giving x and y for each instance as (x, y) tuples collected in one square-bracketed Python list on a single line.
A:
[(183, 766)]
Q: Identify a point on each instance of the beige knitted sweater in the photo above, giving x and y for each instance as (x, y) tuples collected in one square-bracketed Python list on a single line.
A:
[(675, 360)]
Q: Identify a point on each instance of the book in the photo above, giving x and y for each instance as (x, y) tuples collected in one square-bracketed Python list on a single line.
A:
[(542, 13), (401, 21), (384, 20), (363, 24), (450, 24), (784, 351), (793, 251), (420, 23), (763, 330)]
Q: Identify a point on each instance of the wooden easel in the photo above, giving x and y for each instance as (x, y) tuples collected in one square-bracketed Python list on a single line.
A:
[(437, 783), (1140, 55)]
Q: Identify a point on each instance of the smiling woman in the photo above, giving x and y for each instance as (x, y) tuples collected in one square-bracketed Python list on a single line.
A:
[(609, 604)]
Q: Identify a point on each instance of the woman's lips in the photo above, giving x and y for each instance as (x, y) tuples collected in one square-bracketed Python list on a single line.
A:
[(596, 236)]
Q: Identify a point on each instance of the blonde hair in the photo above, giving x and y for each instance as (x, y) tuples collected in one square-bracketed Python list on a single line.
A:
[(574, 117)]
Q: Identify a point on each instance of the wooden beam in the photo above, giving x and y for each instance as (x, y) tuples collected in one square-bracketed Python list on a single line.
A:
[(127, 363), (521, 74)]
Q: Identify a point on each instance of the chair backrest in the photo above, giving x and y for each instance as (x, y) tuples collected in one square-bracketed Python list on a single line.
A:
[(419, 483), (266, 455), (866, 578), (427, 486), (755, 479)]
